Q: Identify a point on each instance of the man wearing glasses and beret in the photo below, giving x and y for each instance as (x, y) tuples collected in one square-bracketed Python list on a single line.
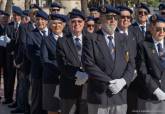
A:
[(142, 13), (55, 7), (162, 10), (73, 76), (152, 71), (108, 62)]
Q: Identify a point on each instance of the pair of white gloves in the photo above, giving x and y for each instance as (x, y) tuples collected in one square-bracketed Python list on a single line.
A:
[(160, 94), (117, 85), (82, 77)]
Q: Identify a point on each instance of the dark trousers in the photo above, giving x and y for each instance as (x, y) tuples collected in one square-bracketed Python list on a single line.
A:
[(9, 77), (22, 90), (74, 106), (36, 97)]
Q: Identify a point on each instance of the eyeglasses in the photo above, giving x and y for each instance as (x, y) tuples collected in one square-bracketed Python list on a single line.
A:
[(123, 17), (90, 25), (55, 9), (143, 12), (78, 21), (162, 13), (110, 17), (159, 29)]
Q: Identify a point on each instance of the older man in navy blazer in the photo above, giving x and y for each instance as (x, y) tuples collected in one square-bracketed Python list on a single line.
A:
[(109, 64), (33, 44)]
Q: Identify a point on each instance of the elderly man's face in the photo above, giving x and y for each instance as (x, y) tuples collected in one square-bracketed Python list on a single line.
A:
[(162, 13), (16, 17), (109, 22), (57, 26), (95, 14), (158, 31), (77, 25), (90, 26), (41, 23), (55, 10), (142, 15), (125, 19)]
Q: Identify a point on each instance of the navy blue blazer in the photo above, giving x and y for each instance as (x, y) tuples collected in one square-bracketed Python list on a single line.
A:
[(69, 64), (48, 56), (151, 72), (33, 45), (101, 68)]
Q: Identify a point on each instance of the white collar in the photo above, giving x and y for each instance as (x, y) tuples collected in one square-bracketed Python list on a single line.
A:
[(106, 34), (46, 31), (80, 37)]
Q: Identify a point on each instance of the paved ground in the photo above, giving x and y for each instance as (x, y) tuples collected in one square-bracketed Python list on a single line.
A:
[(3, 108)]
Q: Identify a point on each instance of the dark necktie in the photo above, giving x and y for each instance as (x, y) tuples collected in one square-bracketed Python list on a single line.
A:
[(143, 29), (111, 47), (78, 47), (43, 33), (161, 54), (16, 27)]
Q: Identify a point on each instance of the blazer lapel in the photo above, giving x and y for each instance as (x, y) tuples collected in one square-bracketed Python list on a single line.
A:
[(104, 49), (72, 47), (154, 54)]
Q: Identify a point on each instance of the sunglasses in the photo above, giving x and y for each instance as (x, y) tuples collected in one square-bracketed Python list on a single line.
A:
[(159, 29), (90, 25), (123, 17), (110, 17), (78, 21), (55, 9), (143, 12), (162, 13)]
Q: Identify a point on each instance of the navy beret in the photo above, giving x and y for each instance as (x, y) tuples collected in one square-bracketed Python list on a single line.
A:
[(93, 8), (124, 8), (58, 17), (143, 6), (17, 10), (56, 4), (26, 12), (90, 18), (4, 13), (111, 9), (161, 6), (35, 6), (77, 13), (42, 14)]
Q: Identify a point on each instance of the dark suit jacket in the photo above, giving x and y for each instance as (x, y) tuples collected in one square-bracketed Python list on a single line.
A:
[(69, 64), (152, 74), (48, 56), (33, 44), (99, 65), (136, 26), (14, 36)]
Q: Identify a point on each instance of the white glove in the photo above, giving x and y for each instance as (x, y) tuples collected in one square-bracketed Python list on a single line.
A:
[(159, 94), (56, 93), (82, 77), (116, 85)]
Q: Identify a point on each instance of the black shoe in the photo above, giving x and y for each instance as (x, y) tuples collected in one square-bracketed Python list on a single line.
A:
[(7, 101), (13, 105), (17, 110)]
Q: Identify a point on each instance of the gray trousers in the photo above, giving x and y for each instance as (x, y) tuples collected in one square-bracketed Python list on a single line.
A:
[(98, 109), (150, 107)]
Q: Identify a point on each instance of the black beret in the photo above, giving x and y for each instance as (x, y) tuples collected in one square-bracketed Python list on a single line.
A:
[(4, 13), (26, 12), (90, 18), (143, 6), (35, 6), (124, 8), (17, 10), (161, 6), (56, 4), (111, 9), (77, 13), (42, 14), (58, 17)]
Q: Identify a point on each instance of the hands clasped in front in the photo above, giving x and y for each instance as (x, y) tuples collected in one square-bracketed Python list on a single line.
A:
[(82, 77), (116, 85)]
